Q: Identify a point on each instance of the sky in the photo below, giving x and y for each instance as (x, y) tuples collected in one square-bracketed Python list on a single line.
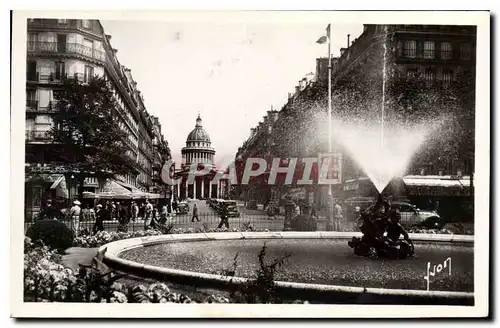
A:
[(230, 73)]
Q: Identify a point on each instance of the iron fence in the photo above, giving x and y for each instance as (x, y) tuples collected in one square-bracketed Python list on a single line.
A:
[(243, 220)]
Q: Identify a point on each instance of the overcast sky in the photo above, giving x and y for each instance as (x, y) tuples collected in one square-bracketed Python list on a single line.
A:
[(230, 73)]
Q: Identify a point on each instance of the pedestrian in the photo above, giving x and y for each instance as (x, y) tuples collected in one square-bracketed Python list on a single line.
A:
[(118, 208), (99, 219), (224, 220), (148, 214), (74, 214), (296, 208), (86, 213), (314, 215), (174, 205), (142, 211), (123, 218), (113, 211), (135, 211), (338, 215), (164, 214), (195, 213), (169, 206), (49, 212)]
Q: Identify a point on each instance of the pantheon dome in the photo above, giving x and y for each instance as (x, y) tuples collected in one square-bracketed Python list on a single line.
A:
[(198, 146)]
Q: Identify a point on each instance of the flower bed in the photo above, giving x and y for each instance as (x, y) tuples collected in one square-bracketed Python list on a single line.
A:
[(104, 237), (47, 280)]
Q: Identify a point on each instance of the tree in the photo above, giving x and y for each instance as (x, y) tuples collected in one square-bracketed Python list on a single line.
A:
[(87, 126)]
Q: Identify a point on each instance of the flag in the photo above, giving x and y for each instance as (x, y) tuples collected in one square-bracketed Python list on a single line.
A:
[(325, 38)]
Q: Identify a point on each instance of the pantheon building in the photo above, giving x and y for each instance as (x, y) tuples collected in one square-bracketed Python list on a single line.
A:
[(199, 150)]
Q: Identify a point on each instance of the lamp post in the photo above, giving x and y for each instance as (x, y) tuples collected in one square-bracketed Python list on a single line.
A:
[(327, 40)]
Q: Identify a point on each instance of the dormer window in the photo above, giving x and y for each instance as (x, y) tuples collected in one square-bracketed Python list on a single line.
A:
[(86, 23)]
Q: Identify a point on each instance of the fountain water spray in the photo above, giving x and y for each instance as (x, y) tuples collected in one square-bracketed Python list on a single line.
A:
[(382, 162)]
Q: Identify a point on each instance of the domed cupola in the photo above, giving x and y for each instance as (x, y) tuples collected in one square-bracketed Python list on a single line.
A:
[(198, 134), (198, 146)]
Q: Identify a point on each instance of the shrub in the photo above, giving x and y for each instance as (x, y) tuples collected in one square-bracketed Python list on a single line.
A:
[(47, 280), (262, 288), (53, 233)]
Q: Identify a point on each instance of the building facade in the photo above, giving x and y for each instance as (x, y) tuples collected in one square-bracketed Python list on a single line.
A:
[(79, 49), (161, 154)]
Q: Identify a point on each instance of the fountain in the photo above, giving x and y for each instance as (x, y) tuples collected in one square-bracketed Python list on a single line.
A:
[(333, 274)]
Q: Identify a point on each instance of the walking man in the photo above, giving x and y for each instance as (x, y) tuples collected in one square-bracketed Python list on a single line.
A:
[(135, 211), (99, 220), (224, 221), (74, 214), (195, 213)]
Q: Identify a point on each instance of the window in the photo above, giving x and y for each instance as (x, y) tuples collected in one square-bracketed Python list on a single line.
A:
[(447, 78), (31, 99), (31, 71), (60, 70), (44, 96), (62, 21), (89, 74), (86, 23), (446, 50), (429, 49), (410, 49), (412, 72), (465, 51), (429, 77)]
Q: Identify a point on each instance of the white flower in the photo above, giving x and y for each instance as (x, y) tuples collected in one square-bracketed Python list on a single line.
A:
[(118, 297)]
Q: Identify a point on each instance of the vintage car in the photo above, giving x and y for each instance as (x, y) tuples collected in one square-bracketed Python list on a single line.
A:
[(230, 207), (183, 208)]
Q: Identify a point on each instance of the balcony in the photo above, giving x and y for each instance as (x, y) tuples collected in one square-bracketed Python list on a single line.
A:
[(31, 105), (34, 135), (68, 48)]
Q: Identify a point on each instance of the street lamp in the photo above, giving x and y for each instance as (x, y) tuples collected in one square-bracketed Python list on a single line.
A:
[(322, 40)]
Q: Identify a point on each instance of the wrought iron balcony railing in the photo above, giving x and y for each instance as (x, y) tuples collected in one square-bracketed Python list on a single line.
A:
[(66, 48), (34, 135), (31, 104)]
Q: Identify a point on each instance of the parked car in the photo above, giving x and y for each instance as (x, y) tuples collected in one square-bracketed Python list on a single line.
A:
[(183, 207), (413, 217), (230, 206)]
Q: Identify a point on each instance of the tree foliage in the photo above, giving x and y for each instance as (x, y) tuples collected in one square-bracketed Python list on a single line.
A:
[(87, 126)]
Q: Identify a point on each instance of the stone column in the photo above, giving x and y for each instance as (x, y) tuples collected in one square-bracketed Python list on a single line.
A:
[(194, 188), (217, 193), (186, 193), (210, 189), (202, 187)]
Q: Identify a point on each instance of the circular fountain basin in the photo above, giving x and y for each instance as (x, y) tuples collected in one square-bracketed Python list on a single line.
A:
[(321, 265)]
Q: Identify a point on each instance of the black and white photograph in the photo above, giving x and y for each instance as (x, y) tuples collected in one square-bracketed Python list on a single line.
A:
[(311, 163)]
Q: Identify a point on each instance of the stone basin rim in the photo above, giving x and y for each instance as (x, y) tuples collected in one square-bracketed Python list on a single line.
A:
[(114, 249)]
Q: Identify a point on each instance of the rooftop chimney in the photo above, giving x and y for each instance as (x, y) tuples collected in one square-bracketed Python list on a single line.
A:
[(342, 51), (348, 37), (297, 88)]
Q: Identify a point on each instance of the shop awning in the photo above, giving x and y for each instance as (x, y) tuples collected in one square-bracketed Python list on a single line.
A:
[(437, 185), (111, 186), (135, 192)]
